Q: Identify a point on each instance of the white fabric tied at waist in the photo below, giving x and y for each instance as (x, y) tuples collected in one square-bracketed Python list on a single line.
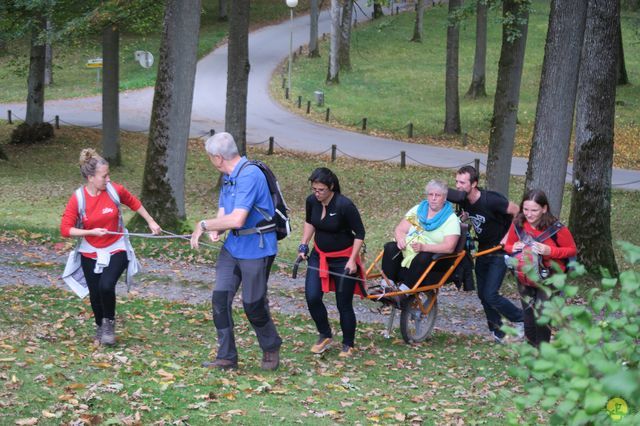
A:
[(103, 254)]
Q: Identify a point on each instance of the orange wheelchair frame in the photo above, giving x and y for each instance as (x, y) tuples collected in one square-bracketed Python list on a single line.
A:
[(419, 305)]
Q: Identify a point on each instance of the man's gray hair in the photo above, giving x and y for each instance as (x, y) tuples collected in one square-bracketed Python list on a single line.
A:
[(222, 144), (438, 185)]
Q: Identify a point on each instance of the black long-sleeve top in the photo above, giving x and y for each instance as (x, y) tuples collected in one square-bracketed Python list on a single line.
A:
[(340, 226)]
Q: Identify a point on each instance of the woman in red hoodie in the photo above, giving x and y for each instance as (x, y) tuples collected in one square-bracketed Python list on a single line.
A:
[(542, 245), (103, 254)]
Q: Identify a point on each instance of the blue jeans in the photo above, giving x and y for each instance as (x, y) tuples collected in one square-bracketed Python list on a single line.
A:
[(490, 271)]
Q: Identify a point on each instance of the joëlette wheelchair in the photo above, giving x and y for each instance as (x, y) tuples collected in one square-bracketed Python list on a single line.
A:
[(418, 305)]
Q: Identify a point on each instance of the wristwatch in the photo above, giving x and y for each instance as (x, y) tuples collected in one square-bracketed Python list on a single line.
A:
[(203, 225)]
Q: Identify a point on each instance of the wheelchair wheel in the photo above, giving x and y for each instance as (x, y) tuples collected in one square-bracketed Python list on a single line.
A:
[(414, 325)]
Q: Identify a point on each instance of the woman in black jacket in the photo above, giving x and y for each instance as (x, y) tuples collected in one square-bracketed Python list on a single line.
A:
[(334, 222)]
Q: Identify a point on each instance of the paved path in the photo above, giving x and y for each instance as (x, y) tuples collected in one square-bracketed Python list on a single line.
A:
[(267, 48)]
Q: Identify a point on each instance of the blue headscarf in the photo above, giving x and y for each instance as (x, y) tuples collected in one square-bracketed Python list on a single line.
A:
[(436, 221)]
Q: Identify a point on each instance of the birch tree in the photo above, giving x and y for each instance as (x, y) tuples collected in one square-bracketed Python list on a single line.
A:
[(334, 44)]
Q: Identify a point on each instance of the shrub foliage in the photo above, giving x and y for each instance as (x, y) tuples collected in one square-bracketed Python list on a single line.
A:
[(593, 358)]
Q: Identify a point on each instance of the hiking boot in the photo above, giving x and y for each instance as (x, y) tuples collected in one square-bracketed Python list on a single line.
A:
[(108, 332), (271, 360), (221, 364), (321, 345), (346, 351), (98, 333), (497, 338)]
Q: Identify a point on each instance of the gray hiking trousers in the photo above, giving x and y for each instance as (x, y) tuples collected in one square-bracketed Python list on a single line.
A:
[(253, 274)]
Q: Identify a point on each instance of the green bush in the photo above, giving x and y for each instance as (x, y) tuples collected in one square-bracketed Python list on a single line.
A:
[(593, 358)]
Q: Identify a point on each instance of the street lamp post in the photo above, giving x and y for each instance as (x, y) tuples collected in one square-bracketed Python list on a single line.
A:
[(291, 4)]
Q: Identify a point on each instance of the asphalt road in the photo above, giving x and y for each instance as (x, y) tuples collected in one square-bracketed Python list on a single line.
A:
[(267, 48)]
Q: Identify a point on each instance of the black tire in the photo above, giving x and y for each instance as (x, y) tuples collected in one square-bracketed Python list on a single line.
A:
[(415, 326)]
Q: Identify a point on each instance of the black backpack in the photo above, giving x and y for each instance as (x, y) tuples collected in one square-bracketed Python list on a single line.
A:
[(281, 217)]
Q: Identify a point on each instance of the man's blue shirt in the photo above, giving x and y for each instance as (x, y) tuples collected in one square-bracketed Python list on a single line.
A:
[(245, 191)]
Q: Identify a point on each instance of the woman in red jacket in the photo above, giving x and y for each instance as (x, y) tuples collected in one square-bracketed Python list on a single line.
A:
[(103, 255), (542, 242)]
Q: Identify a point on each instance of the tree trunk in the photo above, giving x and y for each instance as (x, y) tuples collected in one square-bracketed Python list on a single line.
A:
[(377, 9), (622, 77), (222, 11), (35, 82), (477, 88), (48, 57), (507, 97), (419, 26), (452, 98), (238, 73), (314, 49), (547, 167), (334, 45), (164, 171), (590, 217), (344, 55), (110, 100)]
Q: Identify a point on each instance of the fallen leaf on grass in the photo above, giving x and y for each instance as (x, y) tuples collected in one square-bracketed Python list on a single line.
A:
[(453, 410), (27, 422), (8, 359), (166, 375), (100, 364)]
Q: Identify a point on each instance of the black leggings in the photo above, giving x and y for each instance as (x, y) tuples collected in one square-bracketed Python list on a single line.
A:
[(102, 287), (392, 268), (344, 298)]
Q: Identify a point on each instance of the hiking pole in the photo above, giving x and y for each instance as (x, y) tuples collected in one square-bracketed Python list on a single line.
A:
[(294, 273)]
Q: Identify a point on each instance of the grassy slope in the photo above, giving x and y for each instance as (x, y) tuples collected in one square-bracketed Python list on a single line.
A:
[(39, 179), (51, 371), (73, 79), (394, 82)]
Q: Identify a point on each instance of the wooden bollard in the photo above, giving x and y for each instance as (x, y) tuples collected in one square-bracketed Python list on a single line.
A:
[(403, 159), (284, 82), (212, 132), (299, 101), (9, 116), (410, 134), (364, 123), (308, 107), (464, 139), (57, 121), (286, 93), (270, 151), (326, 117), (476, 164), (334, 148)]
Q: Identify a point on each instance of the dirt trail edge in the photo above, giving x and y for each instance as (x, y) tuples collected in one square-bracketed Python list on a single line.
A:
[(38, 265)]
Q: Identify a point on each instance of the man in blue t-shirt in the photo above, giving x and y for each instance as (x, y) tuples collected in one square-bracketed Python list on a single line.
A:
[(246, 256)]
